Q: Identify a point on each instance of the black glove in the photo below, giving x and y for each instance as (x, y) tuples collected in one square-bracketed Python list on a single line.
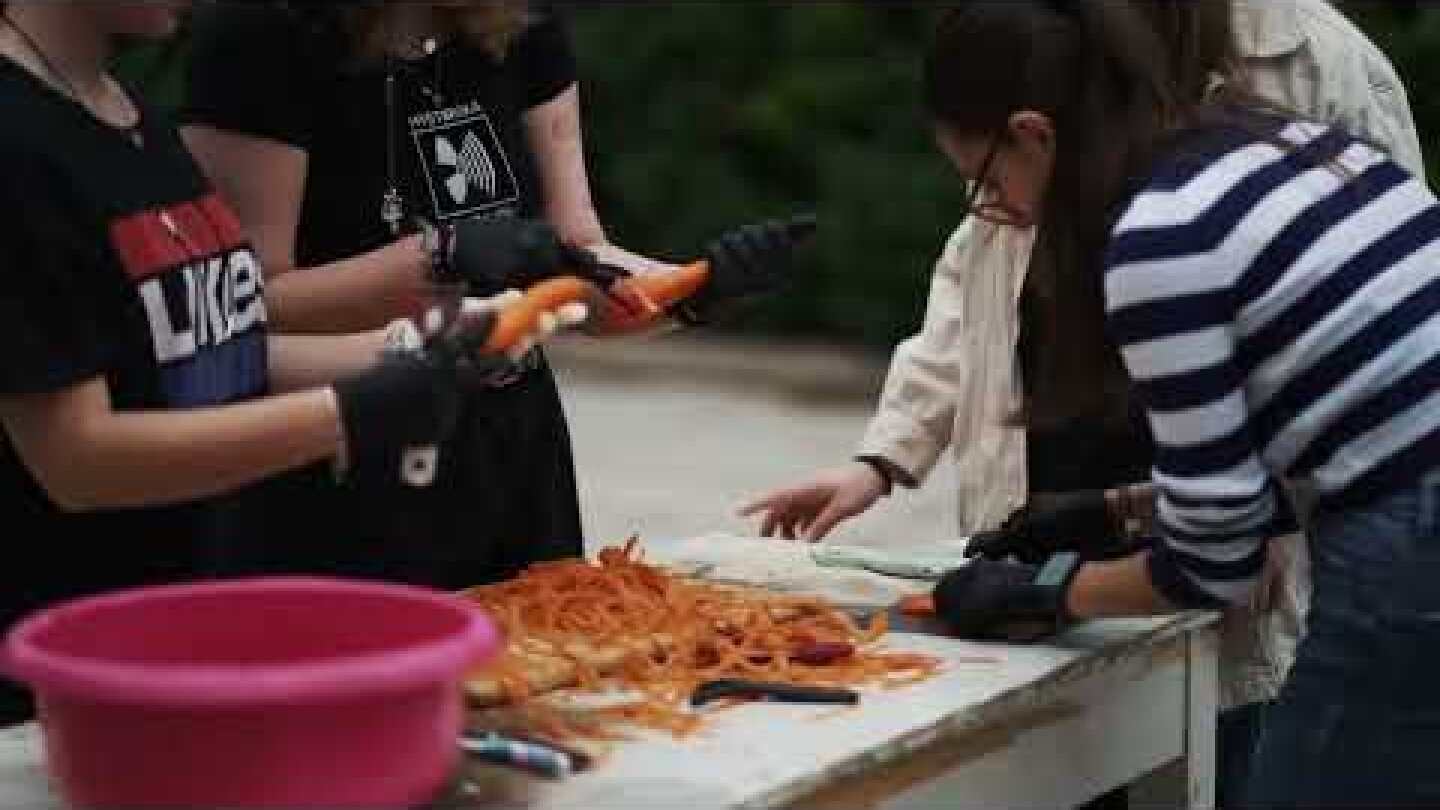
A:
[(992, 600), (492, 255), (412, 397), (750, 260), (1048, 523)]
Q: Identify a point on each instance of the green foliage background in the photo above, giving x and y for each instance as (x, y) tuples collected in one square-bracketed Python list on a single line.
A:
[(702, 115)]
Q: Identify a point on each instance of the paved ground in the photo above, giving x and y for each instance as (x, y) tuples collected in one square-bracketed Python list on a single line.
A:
[(672, 433)]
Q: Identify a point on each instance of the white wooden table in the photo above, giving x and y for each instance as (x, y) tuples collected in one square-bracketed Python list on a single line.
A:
[(1049, 725)]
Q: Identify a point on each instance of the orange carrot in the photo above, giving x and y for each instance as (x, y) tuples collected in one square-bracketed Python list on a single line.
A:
[(520, 318), (647, 298), (918, 604)]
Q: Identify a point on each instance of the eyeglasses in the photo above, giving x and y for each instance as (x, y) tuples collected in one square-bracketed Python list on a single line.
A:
[(989, 208)]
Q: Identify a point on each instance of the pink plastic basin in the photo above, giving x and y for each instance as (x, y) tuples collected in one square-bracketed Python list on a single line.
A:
[(276, 692)]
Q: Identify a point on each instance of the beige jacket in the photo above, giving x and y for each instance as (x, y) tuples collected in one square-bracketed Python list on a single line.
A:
[(951, 384)]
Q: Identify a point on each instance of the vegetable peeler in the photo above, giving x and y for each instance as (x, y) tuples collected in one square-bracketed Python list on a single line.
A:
[(772, 691)]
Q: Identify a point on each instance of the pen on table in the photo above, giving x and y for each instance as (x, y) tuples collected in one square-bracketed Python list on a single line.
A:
[(535, 758)]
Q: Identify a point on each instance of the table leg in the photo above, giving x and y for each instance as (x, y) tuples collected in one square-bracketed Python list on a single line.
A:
[(1201, 707)]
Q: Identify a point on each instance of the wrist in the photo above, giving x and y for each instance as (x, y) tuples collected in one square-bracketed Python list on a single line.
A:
[(880, 469), (1116, 508), (894, 473), (1124, 510), (583, 231), (415, 256), (1078, 518), (409, 260), (1058, 573)]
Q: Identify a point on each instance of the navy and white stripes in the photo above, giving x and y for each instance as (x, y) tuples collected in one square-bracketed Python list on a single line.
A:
[(1279, 312)]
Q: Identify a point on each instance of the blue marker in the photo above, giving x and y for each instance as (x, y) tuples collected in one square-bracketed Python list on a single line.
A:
[(537, 759)]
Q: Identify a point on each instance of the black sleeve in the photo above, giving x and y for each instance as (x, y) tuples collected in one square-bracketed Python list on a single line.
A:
[(544, 59), (55, 301), (251, 71)]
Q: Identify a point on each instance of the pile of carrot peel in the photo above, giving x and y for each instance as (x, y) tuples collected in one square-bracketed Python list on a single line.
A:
[(619, 623)]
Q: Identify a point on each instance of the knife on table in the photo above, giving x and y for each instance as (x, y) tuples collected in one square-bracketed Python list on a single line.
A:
[(745, 689)]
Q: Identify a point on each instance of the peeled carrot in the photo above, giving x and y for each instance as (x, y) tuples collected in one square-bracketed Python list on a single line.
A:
[(670, 288), (521, 318), (642, 300), (647, 298)]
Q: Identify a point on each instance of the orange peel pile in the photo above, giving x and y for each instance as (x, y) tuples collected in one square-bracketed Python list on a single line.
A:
[(621, 623)]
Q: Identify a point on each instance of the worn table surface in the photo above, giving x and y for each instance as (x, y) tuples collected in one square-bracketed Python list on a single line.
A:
[(770, 754)]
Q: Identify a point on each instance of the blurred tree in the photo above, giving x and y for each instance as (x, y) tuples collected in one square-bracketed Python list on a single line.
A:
[(1409, 33), (704, 114), (701, 115)]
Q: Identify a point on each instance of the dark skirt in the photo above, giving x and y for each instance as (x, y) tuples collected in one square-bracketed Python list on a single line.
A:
[(504, 496)]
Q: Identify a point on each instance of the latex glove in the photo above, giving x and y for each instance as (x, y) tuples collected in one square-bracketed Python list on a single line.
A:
[(1048, 523), (993, 600), (750, 260), (514, 253), (815, 506)]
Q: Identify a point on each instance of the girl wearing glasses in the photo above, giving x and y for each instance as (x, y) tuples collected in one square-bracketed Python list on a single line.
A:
[(1270, 284), (951, 386)]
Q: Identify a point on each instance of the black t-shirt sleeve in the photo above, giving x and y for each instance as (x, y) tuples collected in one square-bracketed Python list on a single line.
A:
[(251, 71), (544, 59), (55, 299)]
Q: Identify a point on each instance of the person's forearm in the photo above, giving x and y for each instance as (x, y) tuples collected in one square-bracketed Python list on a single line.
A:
[(151, 458), (1132, 507), (1115, 588), (298, 362), (352, 295), (554, 136)]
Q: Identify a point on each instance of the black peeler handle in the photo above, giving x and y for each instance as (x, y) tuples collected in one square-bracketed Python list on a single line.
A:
[(769, 690)]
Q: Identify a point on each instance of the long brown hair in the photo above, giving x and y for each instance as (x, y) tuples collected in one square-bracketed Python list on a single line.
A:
[(1115, 80), (492, 24), (1199, 38)]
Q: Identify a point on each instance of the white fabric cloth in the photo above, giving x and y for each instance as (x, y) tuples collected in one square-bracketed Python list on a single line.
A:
[(953, 382)]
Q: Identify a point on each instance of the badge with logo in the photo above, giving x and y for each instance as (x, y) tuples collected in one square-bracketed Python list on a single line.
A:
[(465, 166), (200, 285)]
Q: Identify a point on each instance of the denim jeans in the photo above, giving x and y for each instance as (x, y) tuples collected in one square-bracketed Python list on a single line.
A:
[(1358, 721)]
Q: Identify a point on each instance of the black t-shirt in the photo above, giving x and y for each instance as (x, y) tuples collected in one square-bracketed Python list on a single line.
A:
[(119, 263), (505, 493), (460, 148)]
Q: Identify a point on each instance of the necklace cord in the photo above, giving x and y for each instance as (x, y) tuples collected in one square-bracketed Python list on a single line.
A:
[(58, 77), (392, 204)]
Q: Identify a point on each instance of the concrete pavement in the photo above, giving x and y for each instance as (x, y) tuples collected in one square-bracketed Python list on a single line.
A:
[(672, 432)]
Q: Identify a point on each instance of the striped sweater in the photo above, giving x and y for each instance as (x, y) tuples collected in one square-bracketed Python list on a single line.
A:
[(1279, 313)]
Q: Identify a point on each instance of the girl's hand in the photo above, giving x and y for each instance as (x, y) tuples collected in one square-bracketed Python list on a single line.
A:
[(633, 263), (814, 507)]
